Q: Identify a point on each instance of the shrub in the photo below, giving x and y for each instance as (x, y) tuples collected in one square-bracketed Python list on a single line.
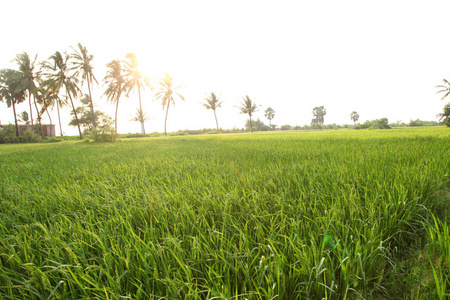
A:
[(104, 134)]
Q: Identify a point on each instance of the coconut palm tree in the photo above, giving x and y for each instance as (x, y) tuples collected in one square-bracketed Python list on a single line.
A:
[(82, 65), (444, 88), (26, 67), (354, 116), (115, 81), (58, 73), (12, 90), (269, 113), (212, 102), (166, 93), (135, 80), (248, 107)]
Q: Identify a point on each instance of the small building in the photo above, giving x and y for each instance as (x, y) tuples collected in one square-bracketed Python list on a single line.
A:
[(49, 130)]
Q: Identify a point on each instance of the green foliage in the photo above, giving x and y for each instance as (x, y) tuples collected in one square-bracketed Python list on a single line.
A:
[(104, 133), (382, 123), (84, 116), (445, 116), (258, 125), (8, 136), (266, 216), (286, 127), (319, 113)]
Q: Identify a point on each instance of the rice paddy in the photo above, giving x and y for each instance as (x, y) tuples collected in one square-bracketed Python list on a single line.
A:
[(311, 215)]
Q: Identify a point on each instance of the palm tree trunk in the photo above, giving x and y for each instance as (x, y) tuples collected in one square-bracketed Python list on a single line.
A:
[(92, 105), (142, 113), (50, 118), (39, 117), (15, 118), (217, 124), (117, 107), (251, 125), (59, 118), (75, 112), (165, 122), (31, 111)]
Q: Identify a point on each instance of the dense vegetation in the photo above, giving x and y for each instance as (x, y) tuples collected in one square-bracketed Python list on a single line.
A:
[(334, 214)]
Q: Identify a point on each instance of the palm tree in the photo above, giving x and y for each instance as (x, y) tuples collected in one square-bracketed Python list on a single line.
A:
[(354, 116), (83, 66), (247, 107), (444, 88), (134, 79), (166, 94), (26, 67), (269, 113), (61, 79), (212, 102), (115, 81), (12, 90)]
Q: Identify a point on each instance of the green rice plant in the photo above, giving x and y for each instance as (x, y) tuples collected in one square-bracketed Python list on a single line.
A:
[(307, 215)]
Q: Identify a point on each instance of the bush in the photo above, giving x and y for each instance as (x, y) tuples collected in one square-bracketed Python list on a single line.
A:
[(8, 135), (286, 127), (104, 134)]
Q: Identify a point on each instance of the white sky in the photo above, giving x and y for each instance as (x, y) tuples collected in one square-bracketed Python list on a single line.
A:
[(380, 58)]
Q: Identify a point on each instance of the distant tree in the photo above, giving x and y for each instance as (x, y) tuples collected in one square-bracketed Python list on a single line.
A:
[(286, 127), (140, 117), (212, 102), (85, 118), (115, 82), (319, 112), (59, 77), (354, 116), (135, 80), (11, 91), (248, 107), (269, 113), (49, 96), (444, 117), (82, 65), (445, 88), (23, 116), (258, 125), (28, 82), (165, 94)]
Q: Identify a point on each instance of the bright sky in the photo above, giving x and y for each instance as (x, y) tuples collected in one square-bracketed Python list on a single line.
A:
[(380, 58)]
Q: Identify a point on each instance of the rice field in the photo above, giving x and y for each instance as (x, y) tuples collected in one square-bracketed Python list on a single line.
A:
[(285, 215)]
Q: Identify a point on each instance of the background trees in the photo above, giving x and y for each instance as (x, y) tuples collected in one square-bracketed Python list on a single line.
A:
[(318, 112), (115, 85), (82, 65), (59, 77), (12, 91), (354, 116), (445, 116), (269, 113), (212, 102), (248, 107), (135, 80), (165, 94)]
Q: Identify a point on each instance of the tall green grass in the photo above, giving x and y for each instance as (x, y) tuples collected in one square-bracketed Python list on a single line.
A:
[(281, 215)]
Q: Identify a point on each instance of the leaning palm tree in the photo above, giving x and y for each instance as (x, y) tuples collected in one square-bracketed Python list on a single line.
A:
[(166, 93), (26, 67), (12, 91), (82, 65), (212, 102), (248, 107), (115, 81), (58, 73), (135, 80), (444, 88)]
